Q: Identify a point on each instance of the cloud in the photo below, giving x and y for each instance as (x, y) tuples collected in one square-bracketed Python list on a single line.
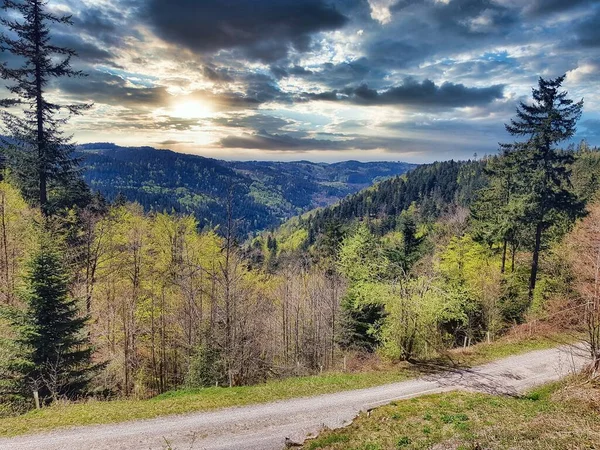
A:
[(588, 31), (174, 142), (304, 75), (286, 142), (586, 70), (263, 29), (281, 142), (269, 124), (110, 89), (421, 95), (547, 7), (86, 51)]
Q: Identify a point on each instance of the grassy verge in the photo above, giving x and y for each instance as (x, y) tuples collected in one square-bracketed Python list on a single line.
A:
[(189, 400), (559, 416)]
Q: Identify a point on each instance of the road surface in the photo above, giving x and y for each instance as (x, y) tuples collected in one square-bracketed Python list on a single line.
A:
[(265, 426)]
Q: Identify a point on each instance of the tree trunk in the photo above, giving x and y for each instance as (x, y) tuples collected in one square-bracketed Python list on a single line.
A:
[(40, 116), (504, 246), (535, 261)]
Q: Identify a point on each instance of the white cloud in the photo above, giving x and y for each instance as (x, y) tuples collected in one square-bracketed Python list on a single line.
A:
[(380, 10), (585, 71)]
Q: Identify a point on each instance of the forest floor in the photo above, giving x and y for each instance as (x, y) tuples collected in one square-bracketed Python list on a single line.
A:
[(193, 400)]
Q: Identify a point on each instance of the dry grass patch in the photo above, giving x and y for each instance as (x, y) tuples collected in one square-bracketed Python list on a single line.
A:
[(552, 417)]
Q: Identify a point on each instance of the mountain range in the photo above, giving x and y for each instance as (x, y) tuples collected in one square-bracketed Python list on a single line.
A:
[(259, 194)]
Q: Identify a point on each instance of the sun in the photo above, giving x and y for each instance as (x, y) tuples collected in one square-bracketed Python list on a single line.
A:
[(190, 110)]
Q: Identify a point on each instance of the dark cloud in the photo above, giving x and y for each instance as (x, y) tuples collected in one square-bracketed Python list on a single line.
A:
[(338, 75), (280, 142), (109, 89), (263, 29), (422, 30), (286, 142), (435, 148), (284, 72), (270, 124), (546, 7), (174, 142), (421, 95), (218, 75), (473, 18), (86, 51), (588, 31)]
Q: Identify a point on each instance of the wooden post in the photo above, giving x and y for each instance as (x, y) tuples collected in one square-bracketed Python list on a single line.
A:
[(36, 397), (488, 336)]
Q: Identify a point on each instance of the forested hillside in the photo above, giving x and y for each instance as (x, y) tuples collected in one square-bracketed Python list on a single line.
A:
[(103, 297), (263, 194)]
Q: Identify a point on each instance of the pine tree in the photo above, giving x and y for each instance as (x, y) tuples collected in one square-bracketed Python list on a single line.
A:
[(39, 153), (56, 359), (495, 212), (543, 168)]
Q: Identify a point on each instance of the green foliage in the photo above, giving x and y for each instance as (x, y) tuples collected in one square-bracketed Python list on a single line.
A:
[(361, 261), (56, 355), (434, 188), (206, 368), (414, 308), (266, 193), (39, 153), (543, 191)]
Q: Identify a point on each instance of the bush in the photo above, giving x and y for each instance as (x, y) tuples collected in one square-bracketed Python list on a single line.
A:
[(207, 368)]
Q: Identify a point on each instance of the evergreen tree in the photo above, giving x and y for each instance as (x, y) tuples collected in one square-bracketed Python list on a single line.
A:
[(543, 168), (495, 212), (39, 153), (56, 360)]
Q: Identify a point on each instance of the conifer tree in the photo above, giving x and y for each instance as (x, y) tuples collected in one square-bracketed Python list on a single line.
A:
[(39, 153), (543, 168), (495, 212), (56, 358)]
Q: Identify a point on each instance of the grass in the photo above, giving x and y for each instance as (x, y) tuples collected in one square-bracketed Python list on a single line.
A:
[(563, 415), (190, 400)]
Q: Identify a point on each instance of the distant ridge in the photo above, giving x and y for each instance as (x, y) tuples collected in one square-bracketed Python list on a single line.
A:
[(266, 193)]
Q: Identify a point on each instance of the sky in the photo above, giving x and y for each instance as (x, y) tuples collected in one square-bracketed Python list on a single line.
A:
[(322, 80)]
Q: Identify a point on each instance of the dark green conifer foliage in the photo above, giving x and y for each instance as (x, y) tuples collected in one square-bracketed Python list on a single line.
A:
[(544, 170), (56, 359), (38, 152), (495, 211)]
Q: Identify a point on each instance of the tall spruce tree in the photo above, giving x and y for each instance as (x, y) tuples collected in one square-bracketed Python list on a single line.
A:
[(38, 152), (544, 172), (56, 357)]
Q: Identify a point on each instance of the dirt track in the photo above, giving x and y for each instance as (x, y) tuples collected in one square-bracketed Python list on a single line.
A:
[(264, 427)]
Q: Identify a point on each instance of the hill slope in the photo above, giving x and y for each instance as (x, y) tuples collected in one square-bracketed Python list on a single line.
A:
[(265, 193)]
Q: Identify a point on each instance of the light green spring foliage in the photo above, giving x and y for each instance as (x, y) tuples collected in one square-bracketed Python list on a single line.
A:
[(18, 239), (414, 308), (294, 241), (423, 313), (363, 263), (360, 257), (471, 272)]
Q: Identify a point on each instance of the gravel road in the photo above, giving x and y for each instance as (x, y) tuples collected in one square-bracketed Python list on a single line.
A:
[(264, 427)]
